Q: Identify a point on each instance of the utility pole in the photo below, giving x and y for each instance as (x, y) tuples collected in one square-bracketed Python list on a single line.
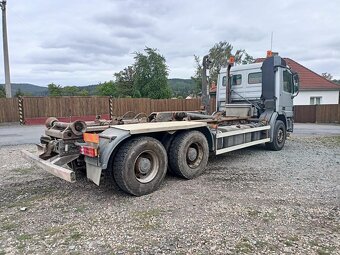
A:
[(5, 45)]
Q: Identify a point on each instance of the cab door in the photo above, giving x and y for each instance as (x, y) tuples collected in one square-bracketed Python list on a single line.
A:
[(286, 92)]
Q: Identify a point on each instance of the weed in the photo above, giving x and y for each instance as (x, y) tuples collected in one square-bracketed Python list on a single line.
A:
[(81, 209), (24, 237), (254, 213), (23, 171), (291, 240), (75, 236), (9, 226), (244, 246)]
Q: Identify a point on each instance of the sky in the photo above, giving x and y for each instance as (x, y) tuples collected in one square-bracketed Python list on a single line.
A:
[(77, 42)]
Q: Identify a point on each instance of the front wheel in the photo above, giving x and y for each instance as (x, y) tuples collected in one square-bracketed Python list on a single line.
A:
[(279, 136), (140, 165)]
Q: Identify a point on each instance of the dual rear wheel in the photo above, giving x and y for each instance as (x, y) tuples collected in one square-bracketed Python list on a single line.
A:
[(140, 165)]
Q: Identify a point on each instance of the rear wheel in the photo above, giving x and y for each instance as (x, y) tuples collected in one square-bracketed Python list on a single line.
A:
[(189, 154), (279, 136), (140, 165)]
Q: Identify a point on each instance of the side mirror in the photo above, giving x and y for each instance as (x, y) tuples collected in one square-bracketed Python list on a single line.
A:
[(296, 85)]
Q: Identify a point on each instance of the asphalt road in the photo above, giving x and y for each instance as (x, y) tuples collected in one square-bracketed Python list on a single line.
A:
[(15, 134)]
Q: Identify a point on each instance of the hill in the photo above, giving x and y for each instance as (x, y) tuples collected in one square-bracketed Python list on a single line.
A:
[(180, 87), (29, 89)]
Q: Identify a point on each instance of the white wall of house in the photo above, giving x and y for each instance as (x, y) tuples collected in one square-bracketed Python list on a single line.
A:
[(326, 97)]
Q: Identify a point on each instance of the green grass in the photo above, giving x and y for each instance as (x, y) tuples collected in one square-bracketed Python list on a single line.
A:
[(291, 240), (23, 171), (144, 218), (24, 237), (9, 226), (244, 246)]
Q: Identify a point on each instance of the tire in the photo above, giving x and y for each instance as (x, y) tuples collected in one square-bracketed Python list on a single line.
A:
[(189, 154), (279, 136), (140, 166)]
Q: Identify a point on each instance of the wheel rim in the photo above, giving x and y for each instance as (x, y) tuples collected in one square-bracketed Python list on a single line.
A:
[(194, 155), (280, 135), (146, 166)]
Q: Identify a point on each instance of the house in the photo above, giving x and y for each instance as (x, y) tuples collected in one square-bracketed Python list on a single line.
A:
[(314, 89)]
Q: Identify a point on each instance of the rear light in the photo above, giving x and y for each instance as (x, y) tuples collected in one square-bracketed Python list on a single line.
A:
[(89, 151)]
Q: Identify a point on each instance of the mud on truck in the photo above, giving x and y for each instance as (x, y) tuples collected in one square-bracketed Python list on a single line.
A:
[(254, 105)]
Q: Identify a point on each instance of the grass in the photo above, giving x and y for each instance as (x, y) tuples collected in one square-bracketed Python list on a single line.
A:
[(148, 213), (145, 218), (80, 209), (321, 249), (9, 226), (76, 236), (24, 237), (23, 171), (244, 246), (254, 213), (31, 195), (329, 140), (290, 241)]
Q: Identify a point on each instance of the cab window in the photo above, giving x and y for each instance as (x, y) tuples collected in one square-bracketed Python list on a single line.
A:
[(287, 81), (236, 79), (255, 78)]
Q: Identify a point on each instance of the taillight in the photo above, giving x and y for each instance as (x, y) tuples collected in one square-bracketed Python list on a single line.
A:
[(89, 151)]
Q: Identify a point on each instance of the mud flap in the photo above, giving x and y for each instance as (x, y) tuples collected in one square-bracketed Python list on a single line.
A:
[(93, 173)]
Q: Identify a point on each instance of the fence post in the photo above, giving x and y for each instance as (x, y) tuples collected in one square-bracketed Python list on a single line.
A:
[(21, 110), (111, 107)]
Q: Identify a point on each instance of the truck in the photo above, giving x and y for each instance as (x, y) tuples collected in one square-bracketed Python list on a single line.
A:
[(254, 105)]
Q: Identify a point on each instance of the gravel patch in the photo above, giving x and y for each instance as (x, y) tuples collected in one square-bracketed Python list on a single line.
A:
[(251, 201)]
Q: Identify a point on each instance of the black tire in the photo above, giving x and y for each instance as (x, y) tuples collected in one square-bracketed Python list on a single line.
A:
[(279, 136), (140, 165), (189, 154)]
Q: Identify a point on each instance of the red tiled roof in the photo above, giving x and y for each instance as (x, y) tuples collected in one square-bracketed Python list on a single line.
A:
[(309, 80)]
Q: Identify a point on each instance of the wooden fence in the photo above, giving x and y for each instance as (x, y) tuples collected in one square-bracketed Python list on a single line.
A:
[(325, 113), (39, 108), (9, 111)]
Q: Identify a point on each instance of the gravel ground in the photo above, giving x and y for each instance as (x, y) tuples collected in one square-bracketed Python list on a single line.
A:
[(250, 201)]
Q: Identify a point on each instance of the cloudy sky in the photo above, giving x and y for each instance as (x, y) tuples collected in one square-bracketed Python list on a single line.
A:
[(77, 42)]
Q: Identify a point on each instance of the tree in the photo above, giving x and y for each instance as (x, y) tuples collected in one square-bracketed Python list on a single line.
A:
[(83, 92), (54, 90), (124, 82), (151, 75), (107, 88), (336, 81), (197, 78), (70, 91), (19, 93), (2, 92), (328, 76), (219, 55)]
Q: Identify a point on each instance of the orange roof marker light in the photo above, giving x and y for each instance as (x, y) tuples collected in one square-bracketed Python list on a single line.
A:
[(91, 138), (269, 53)]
